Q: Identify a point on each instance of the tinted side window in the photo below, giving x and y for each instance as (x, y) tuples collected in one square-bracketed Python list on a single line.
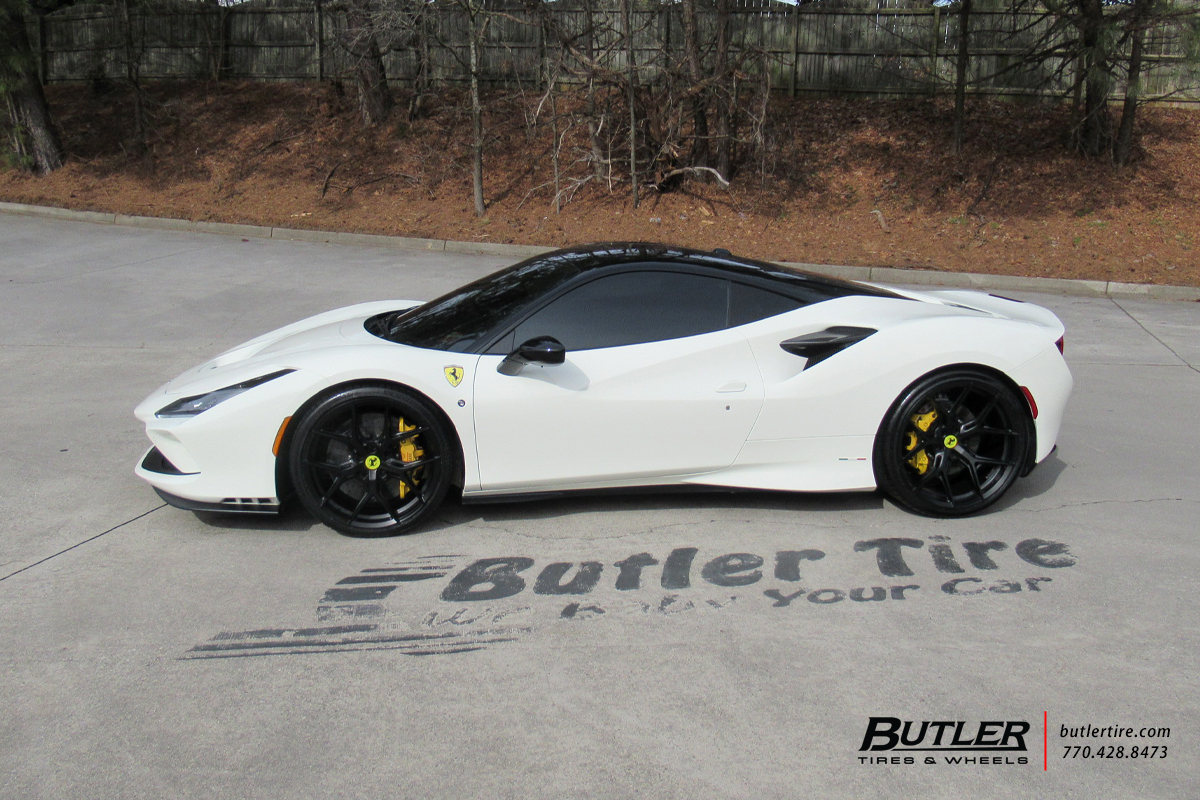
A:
[(749, 303), (630, 308)]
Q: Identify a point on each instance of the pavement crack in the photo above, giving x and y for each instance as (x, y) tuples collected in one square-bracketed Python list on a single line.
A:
[(1170, 349), (80, 544), (112, 267), (1112, 502)]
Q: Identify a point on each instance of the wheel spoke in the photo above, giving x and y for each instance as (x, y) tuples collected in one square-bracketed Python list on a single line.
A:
[(339, 468), (400, 436), (356, 425), (924, 439), (337, 484), (934, 470), (989, 408), (946, 485), (957, 404), (967, 459), (362, 501), (998, 431), (382, 499), (996, 462), (977, 459), (395, 466), (337, 437), (977, 424), (944, 413), (411, 486)]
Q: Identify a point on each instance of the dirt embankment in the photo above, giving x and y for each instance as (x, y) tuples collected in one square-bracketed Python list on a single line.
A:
[(839, 181)]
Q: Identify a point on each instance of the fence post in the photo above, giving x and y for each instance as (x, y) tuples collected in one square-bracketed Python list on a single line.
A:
[(320, 43), (933, 51), (795, 49)]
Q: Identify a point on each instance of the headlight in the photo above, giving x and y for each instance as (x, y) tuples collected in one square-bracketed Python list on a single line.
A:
[(196, 404)]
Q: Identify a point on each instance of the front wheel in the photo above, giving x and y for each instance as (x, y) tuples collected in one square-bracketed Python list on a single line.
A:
[(372, 461), (953, 443)]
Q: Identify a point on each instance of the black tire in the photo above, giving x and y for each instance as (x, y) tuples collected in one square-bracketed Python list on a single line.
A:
[(355, 470), (953, 443)]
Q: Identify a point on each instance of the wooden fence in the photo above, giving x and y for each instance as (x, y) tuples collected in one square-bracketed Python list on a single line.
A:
[(803, 49)]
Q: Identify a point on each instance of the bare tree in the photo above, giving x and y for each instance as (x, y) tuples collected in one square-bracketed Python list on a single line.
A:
[(1138, 21), (697, 92), (33, 137), (1107, 39), (478, 20), (1095, 134), (726, 95), (960, 79), (361, 41), (595, 120), (631, 89), (1133, 85), (133, 48)]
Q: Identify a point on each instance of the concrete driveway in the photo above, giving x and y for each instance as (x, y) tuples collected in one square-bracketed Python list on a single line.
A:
[(731, 645)]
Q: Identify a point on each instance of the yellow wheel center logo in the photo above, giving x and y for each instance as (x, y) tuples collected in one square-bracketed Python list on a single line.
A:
[(454, 375), (950, 441), (372, 462)]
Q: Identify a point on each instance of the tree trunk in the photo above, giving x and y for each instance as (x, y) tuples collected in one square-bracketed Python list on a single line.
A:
[(474, 11), (1096, 136), (698, 97), (551, 77), (960, 78), (1077, 104), (1132, 91), (727, 98), (594, 125), (374, 97), (133, 76), (421, 82), (631, 74), (35, 137)]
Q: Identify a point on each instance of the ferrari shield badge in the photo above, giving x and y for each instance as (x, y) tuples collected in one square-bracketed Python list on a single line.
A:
[(454, 374)]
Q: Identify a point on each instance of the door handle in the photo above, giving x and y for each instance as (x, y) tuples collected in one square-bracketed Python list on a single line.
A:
[(732, 386)]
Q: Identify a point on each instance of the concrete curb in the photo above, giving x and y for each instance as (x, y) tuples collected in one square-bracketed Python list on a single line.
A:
[(965, 280)]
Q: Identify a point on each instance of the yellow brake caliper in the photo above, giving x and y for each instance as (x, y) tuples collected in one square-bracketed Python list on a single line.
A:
[(410, 451), (920, 459)]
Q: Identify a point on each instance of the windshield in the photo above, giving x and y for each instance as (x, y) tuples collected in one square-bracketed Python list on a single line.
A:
[(458, 320)]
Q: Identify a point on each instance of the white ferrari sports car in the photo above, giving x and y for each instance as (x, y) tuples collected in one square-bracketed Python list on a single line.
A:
[(617, 365)]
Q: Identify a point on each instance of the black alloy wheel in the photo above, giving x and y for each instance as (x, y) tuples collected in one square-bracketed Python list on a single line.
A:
[(372, 461), (953, 443)]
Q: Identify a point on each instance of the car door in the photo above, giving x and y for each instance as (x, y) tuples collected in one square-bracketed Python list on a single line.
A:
[(654, 384)]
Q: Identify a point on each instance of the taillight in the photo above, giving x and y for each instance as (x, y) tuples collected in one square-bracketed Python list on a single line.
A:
[(1029, 399), (1059, 343)]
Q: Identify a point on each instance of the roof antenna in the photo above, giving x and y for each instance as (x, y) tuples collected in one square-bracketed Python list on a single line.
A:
[(721, 251)]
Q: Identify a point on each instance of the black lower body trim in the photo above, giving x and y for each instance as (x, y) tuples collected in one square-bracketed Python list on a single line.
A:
[(230, 505), (155, 461), (606, 491)]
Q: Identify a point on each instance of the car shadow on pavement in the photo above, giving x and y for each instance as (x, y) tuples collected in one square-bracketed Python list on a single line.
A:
[(291, 518), (454, 513), (1036, 483)]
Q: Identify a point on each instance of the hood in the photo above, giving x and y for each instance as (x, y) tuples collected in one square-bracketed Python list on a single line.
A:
[(330, 329)]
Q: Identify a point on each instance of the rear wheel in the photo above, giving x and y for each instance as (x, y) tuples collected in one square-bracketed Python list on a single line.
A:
[(372, 461), (953, 443)]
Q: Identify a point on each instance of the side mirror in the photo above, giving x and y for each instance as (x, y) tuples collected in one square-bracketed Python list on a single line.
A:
[(544, 350)]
